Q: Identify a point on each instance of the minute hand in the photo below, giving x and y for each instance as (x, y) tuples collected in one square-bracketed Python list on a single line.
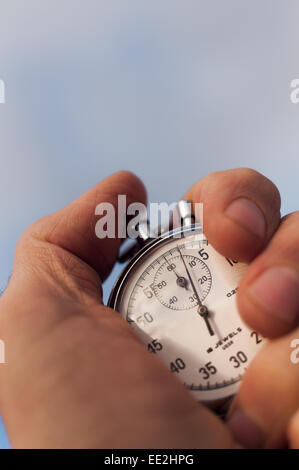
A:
[(202, 309)]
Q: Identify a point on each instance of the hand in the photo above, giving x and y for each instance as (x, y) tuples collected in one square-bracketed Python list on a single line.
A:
[(242, 221), (76, 375)]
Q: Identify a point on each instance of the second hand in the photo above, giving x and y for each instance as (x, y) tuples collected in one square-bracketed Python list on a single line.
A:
[(202, 309)]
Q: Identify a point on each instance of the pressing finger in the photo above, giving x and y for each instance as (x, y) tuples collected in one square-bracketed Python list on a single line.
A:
[(268, 397), (268, 296), (241, 211)]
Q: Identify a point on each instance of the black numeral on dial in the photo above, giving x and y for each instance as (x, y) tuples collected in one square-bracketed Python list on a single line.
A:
[(238, 359), (256, 336), (177, 366), (203, 254), (155, 346), (208, 370)]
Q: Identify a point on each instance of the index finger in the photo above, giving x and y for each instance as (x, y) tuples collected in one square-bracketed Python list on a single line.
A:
[(73, 227)]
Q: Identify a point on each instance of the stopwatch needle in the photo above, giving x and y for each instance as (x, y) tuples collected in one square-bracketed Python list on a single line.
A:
[(202, 309), (204, 313), (181, 281)]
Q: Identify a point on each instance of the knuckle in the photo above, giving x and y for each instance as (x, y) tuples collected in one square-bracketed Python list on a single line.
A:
[(59, 269), (241, 182), (255, 180)]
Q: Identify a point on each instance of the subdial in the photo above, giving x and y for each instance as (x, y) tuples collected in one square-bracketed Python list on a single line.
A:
[(172, 287)]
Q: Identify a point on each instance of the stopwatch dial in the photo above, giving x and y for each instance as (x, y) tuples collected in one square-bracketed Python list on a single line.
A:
[(164, 293), (172, 286)]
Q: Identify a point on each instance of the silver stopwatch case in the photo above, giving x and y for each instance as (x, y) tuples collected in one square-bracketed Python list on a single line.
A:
[(179, 295)]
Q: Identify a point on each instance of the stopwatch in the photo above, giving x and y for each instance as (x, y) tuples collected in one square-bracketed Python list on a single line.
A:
[(179, 296)]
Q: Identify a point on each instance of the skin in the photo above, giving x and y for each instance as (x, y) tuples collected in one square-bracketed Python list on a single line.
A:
[(75, 374)]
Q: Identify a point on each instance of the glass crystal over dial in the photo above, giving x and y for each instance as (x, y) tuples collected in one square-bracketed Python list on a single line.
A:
[(179, 295)]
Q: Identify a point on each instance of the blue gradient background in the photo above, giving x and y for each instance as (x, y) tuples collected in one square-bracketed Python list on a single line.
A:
[(169, 89)]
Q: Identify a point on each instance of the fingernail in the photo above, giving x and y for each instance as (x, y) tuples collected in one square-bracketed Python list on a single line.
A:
[(277, 289), (245, 431), (248, 215)]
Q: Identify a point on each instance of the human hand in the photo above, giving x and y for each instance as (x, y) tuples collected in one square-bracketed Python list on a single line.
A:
[(76, 375)]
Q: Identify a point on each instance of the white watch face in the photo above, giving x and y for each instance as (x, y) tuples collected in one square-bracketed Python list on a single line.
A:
[(179, 296)]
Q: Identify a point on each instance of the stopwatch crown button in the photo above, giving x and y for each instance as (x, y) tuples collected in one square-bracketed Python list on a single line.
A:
[(184, 211)]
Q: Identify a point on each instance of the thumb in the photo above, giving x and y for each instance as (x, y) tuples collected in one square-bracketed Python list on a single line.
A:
[(261, 414)]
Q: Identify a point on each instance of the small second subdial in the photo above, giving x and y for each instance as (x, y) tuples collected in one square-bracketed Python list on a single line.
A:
[(171, 284)]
